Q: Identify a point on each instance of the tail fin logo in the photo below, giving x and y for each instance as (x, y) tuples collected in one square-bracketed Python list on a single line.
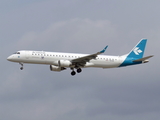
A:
[(137, 51)]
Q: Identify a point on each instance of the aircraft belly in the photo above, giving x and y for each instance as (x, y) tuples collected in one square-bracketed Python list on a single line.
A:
[(106, 64), (35, 60)]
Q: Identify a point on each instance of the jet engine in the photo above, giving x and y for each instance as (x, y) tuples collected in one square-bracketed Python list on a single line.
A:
[(56, 68), (63, 63)]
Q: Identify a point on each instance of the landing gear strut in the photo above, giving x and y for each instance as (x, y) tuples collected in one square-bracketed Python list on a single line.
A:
[(21, 66)]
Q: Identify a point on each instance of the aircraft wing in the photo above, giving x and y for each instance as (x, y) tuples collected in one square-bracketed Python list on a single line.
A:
[(82, 60)]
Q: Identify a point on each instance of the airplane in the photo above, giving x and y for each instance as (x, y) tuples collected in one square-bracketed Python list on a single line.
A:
[(61, 61)]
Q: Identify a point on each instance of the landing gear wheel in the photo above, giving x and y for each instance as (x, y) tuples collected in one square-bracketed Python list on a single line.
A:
[(21, 68), (79, 70), (73, 73)]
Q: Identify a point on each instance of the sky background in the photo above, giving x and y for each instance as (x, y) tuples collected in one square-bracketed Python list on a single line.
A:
[(79, 26)]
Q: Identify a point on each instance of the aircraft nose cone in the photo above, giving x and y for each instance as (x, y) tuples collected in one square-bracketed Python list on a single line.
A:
[(9, 58)]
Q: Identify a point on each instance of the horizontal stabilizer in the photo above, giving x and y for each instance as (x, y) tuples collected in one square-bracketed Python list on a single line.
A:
[(142, 59)]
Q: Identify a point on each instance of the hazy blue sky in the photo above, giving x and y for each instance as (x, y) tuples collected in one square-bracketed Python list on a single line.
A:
[(79, 26)]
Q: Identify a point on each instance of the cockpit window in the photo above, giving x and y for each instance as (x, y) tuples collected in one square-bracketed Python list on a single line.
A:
[(16, 53)]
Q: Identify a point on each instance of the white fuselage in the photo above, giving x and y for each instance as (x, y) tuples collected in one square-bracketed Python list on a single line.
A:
[(51, 58), (60, 61)]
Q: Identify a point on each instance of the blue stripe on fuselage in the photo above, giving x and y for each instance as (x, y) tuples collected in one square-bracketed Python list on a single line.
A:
[(129, 61)]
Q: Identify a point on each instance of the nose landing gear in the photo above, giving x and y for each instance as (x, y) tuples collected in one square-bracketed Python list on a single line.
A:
[(21, 68)]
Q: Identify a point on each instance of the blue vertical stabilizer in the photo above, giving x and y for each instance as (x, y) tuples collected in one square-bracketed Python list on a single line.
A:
[(136, 53), (138, 50)]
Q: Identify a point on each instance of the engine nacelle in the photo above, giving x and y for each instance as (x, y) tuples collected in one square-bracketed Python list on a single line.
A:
[(56, 68), (63, 63)]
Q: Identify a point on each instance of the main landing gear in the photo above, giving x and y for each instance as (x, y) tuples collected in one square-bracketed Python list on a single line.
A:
[(73, 72), (21, 68)]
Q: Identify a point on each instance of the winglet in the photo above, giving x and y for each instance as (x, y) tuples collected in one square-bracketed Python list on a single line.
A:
[(104, 49)]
